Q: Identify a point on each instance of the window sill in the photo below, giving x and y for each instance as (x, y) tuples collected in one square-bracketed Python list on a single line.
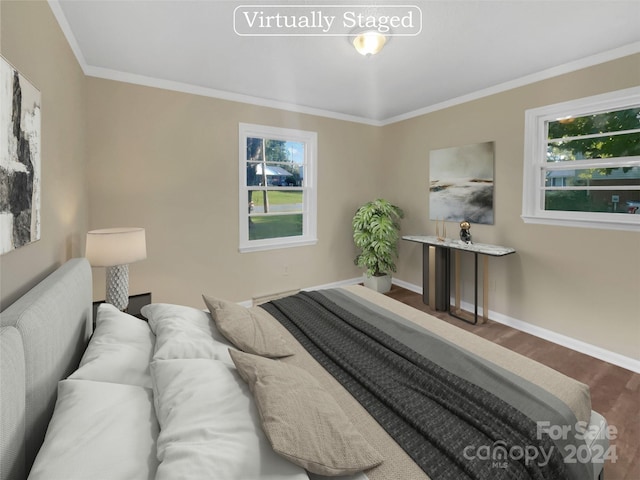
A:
[(280, 243), (632, 225)]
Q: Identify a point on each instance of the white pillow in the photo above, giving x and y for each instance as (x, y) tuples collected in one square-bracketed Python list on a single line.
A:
[(210, 427), (185, 332), (119, 350), (99, 430)]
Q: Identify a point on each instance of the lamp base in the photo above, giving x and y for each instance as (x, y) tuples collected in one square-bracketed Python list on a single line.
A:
[(118, 286)]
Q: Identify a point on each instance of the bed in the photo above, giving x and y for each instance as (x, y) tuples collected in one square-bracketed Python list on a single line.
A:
[(241, 393)]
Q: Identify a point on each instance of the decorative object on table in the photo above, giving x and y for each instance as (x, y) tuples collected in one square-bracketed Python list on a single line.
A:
[(116, 248), (465, 234), (20, 176), (376, 231), (461, 183), (444, 231)]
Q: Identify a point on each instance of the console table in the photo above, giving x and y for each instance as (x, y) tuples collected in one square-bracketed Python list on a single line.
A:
[(443, 248)]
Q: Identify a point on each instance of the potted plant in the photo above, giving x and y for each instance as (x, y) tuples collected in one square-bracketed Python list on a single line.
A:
[(376, 231)]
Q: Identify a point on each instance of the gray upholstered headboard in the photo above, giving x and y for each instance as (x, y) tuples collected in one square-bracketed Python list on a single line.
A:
[(42, 338)]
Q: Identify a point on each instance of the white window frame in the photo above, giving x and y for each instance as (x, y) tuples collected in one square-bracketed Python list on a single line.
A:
[(535, 158), (309, 187)]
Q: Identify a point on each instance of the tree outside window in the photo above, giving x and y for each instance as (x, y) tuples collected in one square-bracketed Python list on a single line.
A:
[(582, 162), (277, 187)]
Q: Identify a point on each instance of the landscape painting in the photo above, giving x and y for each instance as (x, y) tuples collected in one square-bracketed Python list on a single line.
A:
[(20, 174), (461, 183)]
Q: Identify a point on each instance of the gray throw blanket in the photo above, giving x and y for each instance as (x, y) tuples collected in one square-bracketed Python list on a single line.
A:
[(433, 415)]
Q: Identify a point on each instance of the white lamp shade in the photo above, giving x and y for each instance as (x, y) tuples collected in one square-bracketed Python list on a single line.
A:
[(115, 246)]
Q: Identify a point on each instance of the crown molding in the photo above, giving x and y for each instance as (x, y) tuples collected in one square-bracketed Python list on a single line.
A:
[(573, 66), (108, 74), (142, 80)]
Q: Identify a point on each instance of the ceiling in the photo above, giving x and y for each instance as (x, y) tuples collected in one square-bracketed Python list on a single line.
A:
[(465, 50)]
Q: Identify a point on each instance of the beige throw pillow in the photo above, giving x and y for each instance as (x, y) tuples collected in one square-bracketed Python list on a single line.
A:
[(302, 421), (249, 329)]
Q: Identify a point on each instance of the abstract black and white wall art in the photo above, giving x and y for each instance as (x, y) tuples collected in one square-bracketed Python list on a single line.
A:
[(20, 174), (461, 183)]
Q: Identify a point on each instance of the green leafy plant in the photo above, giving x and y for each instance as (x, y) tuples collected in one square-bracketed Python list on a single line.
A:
[(376, 231)]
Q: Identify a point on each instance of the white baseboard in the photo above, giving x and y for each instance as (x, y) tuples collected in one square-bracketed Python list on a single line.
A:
[(554, 337), (342, 283), (407, 285)]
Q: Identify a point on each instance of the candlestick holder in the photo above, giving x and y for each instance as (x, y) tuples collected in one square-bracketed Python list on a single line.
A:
[(444, 230)]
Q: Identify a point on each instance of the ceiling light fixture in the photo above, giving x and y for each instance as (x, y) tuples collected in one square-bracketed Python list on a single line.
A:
[(369, 42)]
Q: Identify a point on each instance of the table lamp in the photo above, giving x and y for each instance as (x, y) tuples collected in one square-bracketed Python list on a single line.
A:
[(116, 248)]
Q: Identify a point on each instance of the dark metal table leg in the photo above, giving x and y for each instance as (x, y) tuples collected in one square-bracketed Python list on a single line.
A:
[(475, 287), (425, 274), (443, 295), (475, 296)]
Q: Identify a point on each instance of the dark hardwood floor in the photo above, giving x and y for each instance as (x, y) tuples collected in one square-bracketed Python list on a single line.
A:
[(615, 391)]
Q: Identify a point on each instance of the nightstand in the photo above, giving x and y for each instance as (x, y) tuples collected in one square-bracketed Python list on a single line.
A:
[(136, 302)]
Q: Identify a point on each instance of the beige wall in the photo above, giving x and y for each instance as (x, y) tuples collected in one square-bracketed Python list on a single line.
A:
[(32, 41), (583, 283), (168, 161)]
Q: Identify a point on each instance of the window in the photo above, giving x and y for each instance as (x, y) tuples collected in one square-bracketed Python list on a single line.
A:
[(277, 187), (582, 162)]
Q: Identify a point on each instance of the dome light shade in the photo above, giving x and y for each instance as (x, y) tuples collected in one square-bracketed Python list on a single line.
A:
[(369, 43)]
